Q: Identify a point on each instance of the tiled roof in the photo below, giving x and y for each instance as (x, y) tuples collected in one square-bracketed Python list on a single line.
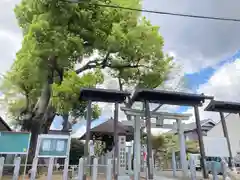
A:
[(192, 126), (103, 125)]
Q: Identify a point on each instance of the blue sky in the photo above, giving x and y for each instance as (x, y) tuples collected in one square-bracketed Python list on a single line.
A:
[(194, 80), (79, 128)]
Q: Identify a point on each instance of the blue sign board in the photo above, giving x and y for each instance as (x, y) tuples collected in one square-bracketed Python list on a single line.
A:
[(53, 145), (14, 142)]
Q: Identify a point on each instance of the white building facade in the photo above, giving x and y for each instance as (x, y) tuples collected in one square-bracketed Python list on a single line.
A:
[(233, 127)]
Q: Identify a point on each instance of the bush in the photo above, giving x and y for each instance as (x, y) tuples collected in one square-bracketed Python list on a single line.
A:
[(76, 151)]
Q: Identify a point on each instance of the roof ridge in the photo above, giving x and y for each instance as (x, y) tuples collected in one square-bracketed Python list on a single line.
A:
[(5, 124)]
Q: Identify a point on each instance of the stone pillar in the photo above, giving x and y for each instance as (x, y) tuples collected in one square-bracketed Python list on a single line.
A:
[(137, 148), (122, 155), (183, 156)]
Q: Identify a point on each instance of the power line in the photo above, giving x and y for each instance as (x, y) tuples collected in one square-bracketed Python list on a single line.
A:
[(162, 12), (169, 13)]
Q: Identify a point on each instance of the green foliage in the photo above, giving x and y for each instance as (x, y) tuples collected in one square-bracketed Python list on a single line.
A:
[(59, 35), (192, 146), (158, 142), (66, 95), (171, 140), (163, 145), (142, 47), (98, 148)]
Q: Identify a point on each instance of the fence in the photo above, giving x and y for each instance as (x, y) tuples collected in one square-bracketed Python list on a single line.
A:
[(100, 169), (54, 171)]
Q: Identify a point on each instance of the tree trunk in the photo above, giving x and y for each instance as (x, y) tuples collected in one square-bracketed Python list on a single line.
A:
[(48, 119), (35, 130), (38, 119), (65, 124)]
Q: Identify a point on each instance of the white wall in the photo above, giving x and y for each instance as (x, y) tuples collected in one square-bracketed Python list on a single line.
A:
[(233, 126)]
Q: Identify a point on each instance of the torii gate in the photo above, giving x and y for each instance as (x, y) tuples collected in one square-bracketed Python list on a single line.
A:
[(160, 117), (147, 96)]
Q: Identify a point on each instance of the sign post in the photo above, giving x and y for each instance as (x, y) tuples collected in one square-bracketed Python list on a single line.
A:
[(54, 146), (216, 146), (15, 143)]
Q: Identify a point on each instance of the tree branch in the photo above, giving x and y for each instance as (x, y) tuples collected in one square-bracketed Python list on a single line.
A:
[(93, 64), (27, 98), (104, 63), (90, 65), (120, 84), (125, 66)]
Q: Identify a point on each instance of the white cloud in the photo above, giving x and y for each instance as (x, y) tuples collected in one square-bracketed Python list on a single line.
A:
[(10, 34), (198, 43), (10, 45), (224, 85)]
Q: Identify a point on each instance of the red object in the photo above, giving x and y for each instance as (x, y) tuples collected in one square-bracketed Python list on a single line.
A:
[(144, 156)]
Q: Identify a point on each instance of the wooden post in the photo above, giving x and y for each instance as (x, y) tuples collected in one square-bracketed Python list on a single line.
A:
[(225, 132), (115, 156), (214, 172), (72, 172), (2, 159), (88, 136), (149, 142), (174, 163), (183, 158), (224, 169), (95, 169), (65, 170), (17, 164), (192, 168), (102, 160), (34, 168), (109, 170), (80, 169), (137, 148), (129, 159), (50, 168), (200, 140)]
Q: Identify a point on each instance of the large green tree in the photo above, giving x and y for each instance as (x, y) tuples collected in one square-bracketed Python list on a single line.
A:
[(67, 46)]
